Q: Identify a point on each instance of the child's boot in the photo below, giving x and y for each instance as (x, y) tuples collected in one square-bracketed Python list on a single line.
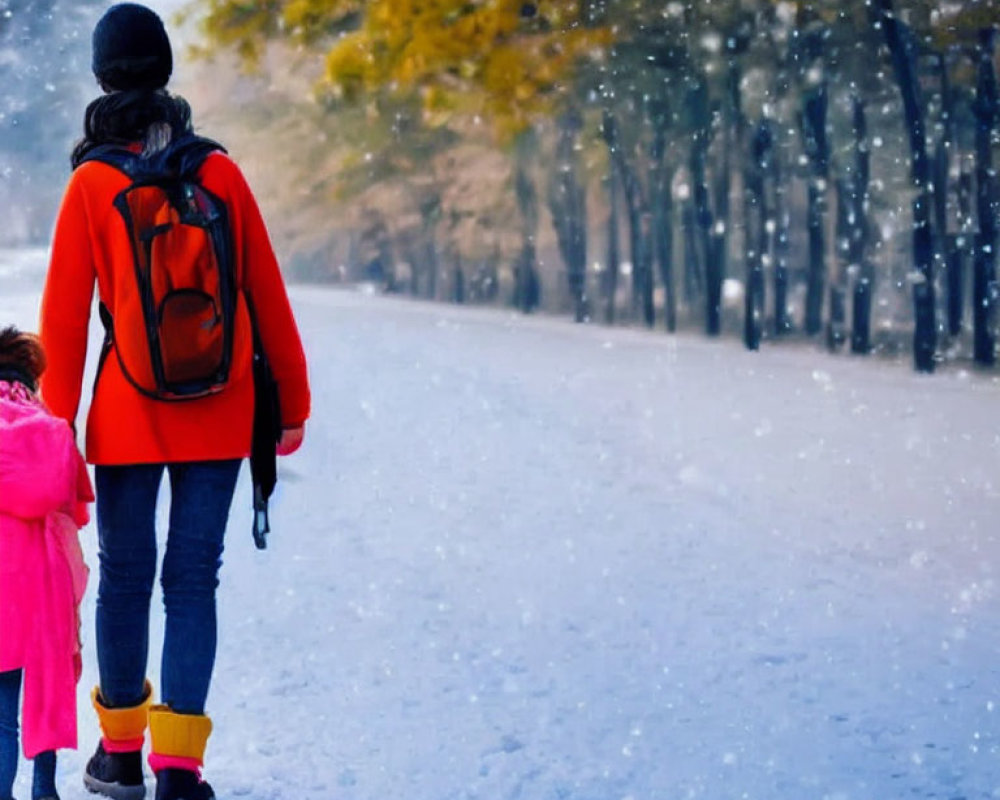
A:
[(43, 779), (178, 751), (115, 770)]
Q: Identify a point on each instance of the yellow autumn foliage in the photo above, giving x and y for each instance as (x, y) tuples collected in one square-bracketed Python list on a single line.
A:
[(307, 18), (502, 58)]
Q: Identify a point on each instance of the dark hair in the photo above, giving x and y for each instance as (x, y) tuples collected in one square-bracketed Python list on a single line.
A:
[(129, 117), (21, 355)]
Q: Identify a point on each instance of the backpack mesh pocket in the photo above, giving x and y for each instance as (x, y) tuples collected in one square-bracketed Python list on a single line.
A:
[(191, 336)]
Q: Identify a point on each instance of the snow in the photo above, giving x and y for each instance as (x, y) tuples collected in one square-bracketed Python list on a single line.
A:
[(519, 558)]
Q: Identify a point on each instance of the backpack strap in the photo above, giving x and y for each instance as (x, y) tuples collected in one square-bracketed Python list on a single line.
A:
[(109, 339), (266, 432), (184, 156), (117, 156), (179, 160)]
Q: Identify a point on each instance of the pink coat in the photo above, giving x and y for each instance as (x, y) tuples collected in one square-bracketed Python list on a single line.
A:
[(44, 491)]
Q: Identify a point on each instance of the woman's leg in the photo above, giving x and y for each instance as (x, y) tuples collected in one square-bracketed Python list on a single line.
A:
[(201, 494), (43, 784), (126, 529), (10, 694)]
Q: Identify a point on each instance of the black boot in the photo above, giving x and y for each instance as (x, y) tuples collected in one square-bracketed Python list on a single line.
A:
[(115, 775), (181, 784)]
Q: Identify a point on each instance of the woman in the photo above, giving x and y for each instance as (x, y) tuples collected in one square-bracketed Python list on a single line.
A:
[(132, 438)]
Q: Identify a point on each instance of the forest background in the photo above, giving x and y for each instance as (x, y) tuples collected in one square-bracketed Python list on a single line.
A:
[(802, 170)]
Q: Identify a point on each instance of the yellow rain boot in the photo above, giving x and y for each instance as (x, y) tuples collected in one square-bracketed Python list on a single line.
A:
[(178, 753), (115, 770)]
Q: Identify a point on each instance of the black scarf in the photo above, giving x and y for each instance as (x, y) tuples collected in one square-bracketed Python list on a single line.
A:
[(12, 374), (126, 117)]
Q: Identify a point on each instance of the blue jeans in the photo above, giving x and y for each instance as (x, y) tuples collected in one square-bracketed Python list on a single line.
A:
[(200, 496), (44, 780)]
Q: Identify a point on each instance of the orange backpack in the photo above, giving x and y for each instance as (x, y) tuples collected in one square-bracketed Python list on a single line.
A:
[(173, 327)]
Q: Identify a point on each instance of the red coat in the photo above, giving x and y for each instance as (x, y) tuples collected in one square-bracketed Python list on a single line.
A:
[(125, 427)]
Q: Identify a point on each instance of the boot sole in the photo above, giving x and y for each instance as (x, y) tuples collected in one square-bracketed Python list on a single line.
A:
[(115, 791)]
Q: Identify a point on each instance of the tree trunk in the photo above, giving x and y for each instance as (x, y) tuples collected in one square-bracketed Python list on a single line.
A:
[(567, 202), (431, 266), (526, 291), (458, 281), (958, 251), (640, 240), (984, 280), (723, 219), (818, 148), (430, 215), (411, 256), (948, 243), (817, 266), (614, 250), (836, 325), (645, 256), (925, 326), (637, 209), (757, 233), (640, 243), (693, 281), (864, 282), (707, 256), (782, 319), (663, 231)]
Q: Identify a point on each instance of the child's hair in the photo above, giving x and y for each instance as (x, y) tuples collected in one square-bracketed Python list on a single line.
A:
[(21, 352)]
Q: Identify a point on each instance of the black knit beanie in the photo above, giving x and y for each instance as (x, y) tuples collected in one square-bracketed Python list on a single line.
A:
[(131, 49)]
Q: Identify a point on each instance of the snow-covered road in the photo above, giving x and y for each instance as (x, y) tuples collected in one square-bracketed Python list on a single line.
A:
[(518, 558)]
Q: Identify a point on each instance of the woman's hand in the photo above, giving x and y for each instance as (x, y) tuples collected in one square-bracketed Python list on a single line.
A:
[(291, 440)]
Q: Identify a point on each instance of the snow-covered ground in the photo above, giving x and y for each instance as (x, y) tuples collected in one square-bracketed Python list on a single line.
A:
[(518, 558)]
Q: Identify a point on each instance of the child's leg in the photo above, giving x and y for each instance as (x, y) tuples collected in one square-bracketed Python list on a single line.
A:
[(43, 784), (10, 693)]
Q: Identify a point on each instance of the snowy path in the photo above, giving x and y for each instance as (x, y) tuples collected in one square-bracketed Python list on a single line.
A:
[(519, 558)]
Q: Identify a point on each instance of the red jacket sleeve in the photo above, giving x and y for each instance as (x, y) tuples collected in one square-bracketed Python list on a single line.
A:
[(65, 307), (264, 284)]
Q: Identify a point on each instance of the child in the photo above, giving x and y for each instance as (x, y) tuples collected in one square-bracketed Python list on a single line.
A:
[(44, 491)]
